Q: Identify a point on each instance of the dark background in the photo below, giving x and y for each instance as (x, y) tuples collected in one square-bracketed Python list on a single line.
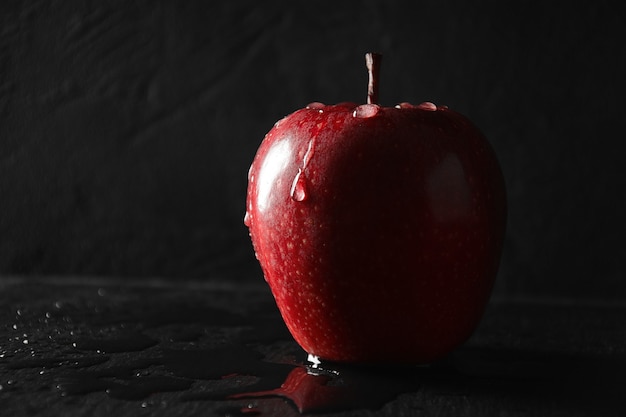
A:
[(127, 128)]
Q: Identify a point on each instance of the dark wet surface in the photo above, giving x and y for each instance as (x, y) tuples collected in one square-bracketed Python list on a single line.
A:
[(224, 351)]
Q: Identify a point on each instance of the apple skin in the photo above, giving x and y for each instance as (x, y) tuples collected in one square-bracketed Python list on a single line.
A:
[(378, 229)]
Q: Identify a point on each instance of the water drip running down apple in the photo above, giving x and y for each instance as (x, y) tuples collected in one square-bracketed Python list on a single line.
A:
[(378, 229)]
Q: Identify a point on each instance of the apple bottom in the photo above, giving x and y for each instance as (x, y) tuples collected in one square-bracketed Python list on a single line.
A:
[(410, 309), (400, 333)]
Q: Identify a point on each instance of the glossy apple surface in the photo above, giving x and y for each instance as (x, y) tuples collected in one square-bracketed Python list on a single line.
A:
[(378, 229)]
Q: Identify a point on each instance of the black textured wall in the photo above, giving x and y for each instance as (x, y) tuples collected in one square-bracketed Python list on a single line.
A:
[(127, 128)]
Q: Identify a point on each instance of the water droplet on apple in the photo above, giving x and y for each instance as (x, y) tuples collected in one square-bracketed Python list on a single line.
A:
[(427, 105), (310, 150), (404, 105), (247, 218), (316, 105), (298, 188), (366, 111)]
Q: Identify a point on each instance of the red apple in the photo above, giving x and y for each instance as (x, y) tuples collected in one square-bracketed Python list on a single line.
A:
[(378, 229)]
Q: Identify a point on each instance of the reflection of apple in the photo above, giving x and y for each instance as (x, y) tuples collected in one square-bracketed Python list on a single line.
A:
[(378, 229)]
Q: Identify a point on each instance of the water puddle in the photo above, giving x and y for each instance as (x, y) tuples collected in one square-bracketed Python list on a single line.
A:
[(342, 388), (242, 373)]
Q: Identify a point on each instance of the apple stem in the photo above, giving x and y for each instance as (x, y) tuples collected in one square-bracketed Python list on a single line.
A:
[(372, 62)]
